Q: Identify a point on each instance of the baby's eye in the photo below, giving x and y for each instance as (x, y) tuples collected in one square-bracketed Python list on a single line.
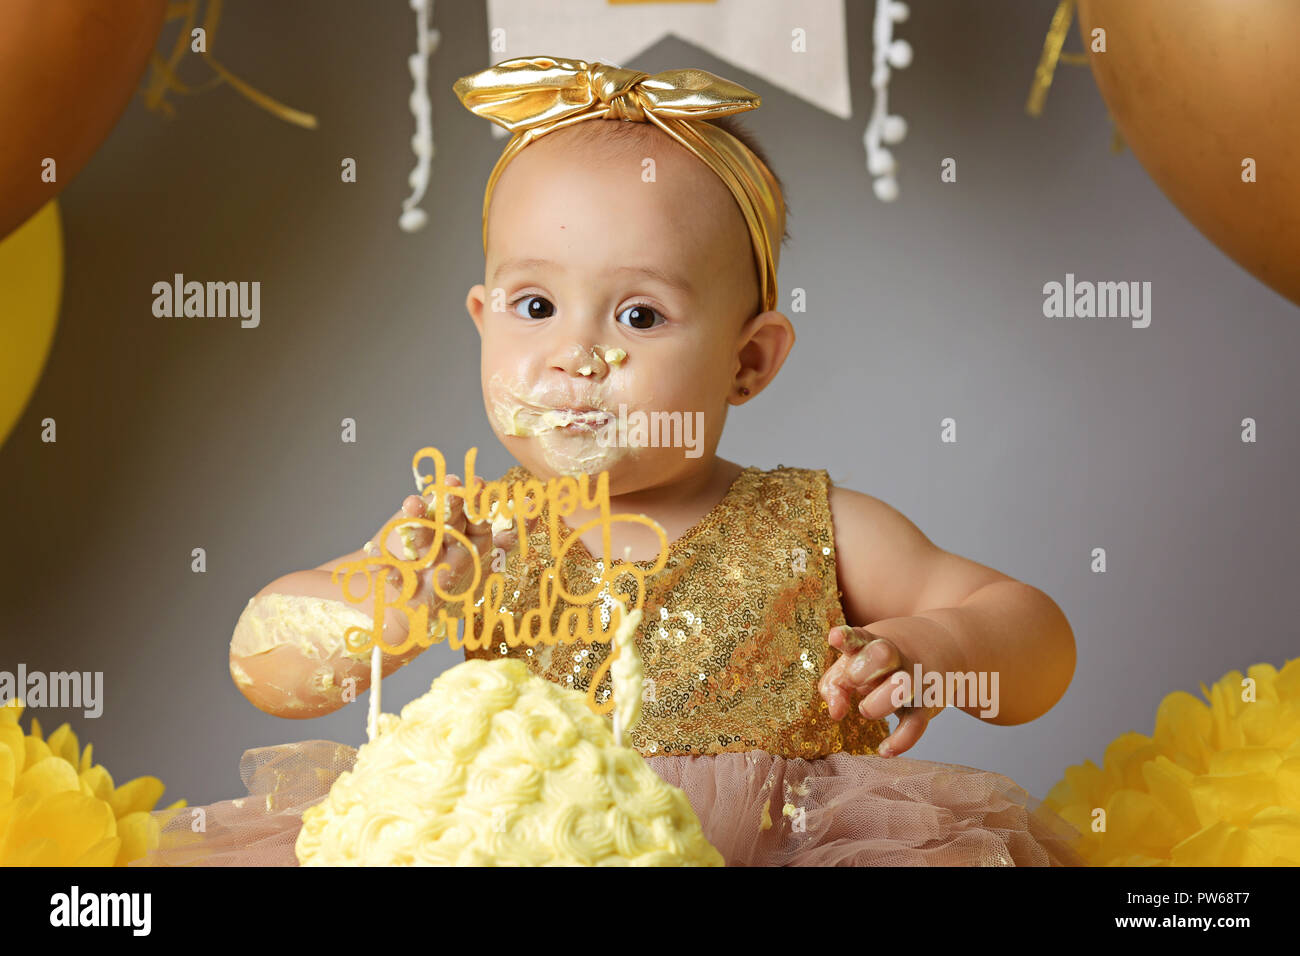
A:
[(640, 317), (539, 307)]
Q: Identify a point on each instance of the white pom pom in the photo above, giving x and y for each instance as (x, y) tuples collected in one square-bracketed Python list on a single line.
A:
[(894, 129), (898, 12), (881, 163), (413, 220), (886, 188), (900, 54)]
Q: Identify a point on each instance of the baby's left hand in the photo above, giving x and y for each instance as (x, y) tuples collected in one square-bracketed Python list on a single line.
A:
[(872, 667)]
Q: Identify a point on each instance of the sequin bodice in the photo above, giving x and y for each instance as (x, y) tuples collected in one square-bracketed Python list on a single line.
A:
[(734, 634)]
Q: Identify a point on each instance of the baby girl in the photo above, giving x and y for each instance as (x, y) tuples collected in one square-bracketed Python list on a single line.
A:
[(632, 231)]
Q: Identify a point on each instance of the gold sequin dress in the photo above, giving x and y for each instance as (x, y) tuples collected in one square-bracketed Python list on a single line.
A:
[(734, 634), (734, 640)]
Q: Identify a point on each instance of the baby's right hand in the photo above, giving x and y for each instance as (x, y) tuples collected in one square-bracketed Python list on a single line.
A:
[(460, 566)]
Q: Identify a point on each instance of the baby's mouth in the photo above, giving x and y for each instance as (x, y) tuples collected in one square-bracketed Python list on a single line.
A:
[(534, 415), (575, 419), (575, 433)]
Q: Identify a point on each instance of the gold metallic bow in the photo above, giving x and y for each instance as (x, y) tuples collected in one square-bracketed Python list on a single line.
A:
[(532, 96)]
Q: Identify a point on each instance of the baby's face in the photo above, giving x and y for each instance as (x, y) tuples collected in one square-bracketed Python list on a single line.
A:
[(608, 299)]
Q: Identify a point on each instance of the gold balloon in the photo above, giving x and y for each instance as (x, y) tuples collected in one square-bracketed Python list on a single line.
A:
[(31, 283), (67, 71), (1197, 88)]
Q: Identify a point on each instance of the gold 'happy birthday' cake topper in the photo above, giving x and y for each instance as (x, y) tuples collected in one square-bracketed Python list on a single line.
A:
[(519, 502)]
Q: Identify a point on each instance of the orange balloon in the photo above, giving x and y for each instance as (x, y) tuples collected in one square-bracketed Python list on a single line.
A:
[(1198, 88), (67, 71)]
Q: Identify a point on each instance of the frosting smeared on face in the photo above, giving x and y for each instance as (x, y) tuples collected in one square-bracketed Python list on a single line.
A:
[(576, 426)]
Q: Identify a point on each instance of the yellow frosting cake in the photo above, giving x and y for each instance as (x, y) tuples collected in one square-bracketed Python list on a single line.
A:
[(495, 766)]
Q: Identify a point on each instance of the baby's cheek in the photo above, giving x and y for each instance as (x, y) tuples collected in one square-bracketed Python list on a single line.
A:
[(635, 384), (502, 407)]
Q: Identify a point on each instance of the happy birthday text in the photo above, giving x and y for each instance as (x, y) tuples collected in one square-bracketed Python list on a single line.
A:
[(519, 502)]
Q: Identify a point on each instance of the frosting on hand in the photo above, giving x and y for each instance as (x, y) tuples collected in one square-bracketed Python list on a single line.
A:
[(316, 626)]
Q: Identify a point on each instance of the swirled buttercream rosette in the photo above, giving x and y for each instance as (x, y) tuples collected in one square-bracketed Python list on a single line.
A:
[(495, 766)]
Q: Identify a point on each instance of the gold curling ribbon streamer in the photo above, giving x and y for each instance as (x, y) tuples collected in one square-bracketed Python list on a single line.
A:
[(1052, 54), (163, 76)]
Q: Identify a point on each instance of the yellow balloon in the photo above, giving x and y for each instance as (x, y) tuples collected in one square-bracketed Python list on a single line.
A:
[(31, 284)]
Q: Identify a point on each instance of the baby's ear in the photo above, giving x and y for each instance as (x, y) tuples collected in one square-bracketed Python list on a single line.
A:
[(475, 303), (768, 339)]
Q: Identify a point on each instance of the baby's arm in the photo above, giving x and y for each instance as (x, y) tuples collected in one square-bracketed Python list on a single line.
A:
[(288, 654), (945, 612)]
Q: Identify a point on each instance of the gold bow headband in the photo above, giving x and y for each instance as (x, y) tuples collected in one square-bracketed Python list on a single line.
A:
[(531, 96)]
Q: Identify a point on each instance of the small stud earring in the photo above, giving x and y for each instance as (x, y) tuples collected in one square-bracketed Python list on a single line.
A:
[(743, 390)]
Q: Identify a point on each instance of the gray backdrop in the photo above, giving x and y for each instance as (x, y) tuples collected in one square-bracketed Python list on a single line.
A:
[(1073, 434)]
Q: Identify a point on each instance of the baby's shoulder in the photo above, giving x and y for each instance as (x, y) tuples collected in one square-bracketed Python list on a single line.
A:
[(865, 523), (886, 564)]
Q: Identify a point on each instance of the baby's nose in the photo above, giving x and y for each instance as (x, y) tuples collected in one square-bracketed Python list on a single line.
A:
[(582, 362)]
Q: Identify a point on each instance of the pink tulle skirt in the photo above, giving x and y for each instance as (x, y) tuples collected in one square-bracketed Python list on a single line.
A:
[(756, 808)]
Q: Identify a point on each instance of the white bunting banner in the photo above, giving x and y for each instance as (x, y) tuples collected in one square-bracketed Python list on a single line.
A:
[(798, 47)]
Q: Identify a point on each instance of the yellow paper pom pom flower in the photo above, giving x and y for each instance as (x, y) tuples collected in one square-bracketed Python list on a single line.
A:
[(1215, 785), (58, 809)]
